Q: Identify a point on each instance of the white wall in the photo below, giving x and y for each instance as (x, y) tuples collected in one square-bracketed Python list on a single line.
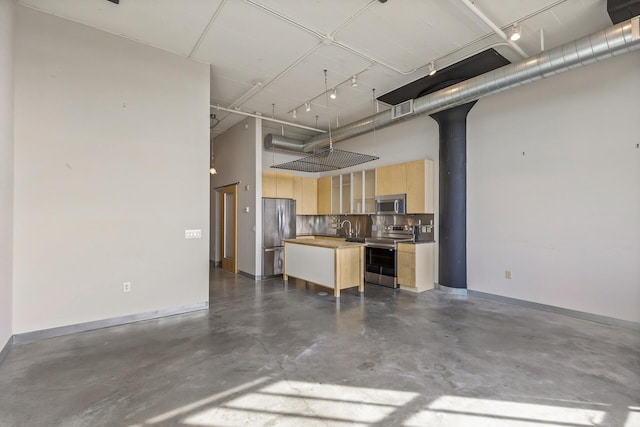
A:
[(111, 166), (564, 217), (6, 169), (236, 161)]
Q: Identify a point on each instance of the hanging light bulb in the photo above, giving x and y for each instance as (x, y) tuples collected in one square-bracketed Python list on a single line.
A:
[(295, 116), (354, 81), (432, 68), (213, 171), (334, 94), (515, 32), (307, 106)]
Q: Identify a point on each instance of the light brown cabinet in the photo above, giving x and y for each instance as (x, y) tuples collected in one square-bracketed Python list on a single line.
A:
[(310, 196), (284, 185), (298, 193), (420, 186), (391, 179), (415, 266), (269, 184), (415, 179), (277, 184), (324, 195), (305, 193)]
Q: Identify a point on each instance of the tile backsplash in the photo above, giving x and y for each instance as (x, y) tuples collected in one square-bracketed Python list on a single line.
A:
[(361, 225)]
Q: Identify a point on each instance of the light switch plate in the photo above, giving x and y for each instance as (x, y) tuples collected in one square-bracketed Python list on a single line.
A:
[(192, 234)]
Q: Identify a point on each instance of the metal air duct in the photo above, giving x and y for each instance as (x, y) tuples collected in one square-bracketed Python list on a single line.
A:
[(283, 143), (616, 40)]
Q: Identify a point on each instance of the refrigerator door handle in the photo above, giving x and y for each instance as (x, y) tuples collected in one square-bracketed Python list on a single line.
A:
[(270, 249)]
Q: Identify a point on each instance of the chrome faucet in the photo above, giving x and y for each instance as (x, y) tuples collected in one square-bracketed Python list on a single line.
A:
[(342, 226)]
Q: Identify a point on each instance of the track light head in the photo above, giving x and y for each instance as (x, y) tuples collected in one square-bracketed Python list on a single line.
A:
[(354, 81), (295, 115), (432, 68), (307, 106), (515, 32), (334, 94)]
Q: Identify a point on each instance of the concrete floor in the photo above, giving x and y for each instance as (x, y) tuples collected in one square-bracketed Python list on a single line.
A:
[(266, 354)]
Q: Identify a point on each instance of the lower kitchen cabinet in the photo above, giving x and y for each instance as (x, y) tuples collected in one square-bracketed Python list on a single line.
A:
[(415, 266)]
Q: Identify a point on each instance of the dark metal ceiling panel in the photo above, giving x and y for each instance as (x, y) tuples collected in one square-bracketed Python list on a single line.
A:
[(475, 65)]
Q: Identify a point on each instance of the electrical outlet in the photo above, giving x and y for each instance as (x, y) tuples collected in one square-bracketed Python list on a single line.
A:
[(192, 234), (126, 287), (507, 274)]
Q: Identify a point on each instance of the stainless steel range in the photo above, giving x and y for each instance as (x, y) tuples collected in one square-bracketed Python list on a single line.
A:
[(381, 255)]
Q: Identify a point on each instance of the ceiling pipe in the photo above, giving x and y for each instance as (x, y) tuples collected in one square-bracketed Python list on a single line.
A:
[(473, 8), (270, 119), (284, 143), (615, 40)]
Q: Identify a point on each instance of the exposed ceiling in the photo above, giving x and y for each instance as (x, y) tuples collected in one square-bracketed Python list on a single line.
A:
[(268, 56)]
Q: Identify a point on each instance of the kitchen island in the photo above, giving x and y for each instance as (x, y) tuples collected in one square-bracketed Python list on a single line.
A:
[(330, 263)]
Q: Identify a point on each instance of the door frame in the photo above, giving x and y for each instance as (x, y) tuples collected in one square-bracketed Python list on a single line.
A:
[(229, 264)]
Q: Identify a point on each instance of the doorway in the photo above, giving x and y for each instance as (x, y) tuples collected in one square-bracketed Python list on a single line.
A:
[(229, 227)]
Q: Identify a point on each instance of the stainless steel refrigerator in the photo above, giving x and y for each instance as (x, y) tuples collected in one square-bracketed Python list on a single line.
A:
[(278, 223)]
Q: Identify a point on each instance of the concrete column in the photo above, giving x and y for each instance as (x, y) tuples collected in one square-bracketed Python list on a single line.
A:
[(6, 171), (452, 255)]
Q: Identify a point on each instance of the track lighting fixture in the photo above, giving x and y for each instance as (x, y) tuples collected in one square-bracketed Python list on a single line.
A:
[(515, 32), (432, 68), (294, 114), (354, 81), (307, 106), (334, 94)]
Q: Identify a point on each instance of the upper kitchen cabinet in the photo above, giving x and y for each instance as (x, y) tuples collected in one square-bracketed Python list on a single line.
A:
[(415, 179), (310, 196), (324, 195), (277, 184), (420, 186), (305, 192), (356, 189), (335, 195), (269, 184), (391, 179), (363, 184), (345, 188)]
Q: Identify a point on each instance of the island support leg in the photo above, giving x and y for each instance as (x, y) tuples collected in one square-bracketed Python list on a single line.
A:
[(361, 284)]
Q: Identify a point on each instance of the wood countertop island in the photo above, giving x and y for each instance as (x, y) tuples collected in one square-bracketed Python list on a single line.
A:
[(331, 263)]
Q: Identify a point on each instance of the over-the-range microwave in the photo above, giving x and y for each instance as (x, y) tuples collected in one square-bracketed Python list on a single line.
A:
[(391, 204)]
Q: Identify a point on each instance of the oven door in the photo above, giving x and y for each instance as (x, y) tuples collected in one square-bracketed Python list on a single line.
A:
[(380, 266)]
